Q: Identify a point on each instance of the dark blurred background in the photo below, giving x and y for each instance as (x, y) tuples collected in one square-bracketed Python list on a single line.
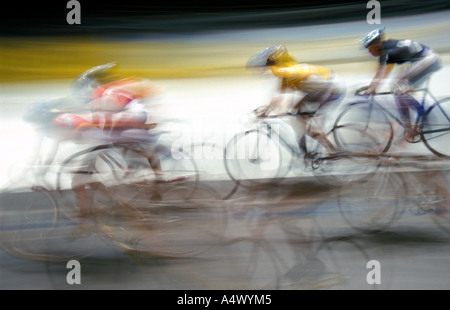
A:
[(164, 39), (99, 17)]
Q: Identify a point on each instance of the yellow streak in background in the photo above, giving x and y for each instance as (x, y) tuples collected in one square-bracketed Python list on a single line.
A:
[(51, 58)]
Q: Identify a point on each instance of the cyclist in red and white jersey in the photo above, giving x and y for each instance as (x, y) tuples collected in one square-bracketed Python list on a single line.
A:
[(116, 106)]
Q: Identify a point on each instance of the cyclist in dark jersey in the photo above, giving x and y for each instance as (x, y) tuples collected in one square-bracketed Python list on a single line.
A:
[(422, 62)]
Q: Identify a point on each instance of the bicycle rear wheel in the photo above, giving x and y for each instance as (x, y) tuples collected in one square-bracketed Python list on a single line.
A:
[(113, 165), (338, 169), (436, 128), (345, 170), (101, 164), (363, 128)]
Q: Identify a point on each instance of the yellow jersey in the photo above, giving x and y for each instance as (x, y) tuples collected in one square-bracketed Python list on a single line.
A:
[(293, 74)]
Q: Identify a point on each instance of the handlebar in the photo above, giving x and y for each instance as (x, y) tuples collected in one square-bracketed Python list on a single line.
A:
[(361, 92), (257, 113), (274, 116)]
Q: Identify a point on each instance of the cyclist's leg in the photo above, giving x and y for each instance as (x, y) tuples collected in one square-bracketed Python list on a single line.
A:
[(322, 94), (314, 128), (311, 126), (80, 181), (155, 164), (417, 72), (145, 146), (153, 158), (404, 103), (82, 200), (410, 78), (314, 132)]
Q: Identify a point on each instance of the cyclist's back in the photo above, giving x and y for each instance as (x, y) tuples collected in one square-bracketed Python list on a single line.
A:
[(116, 95), (401, 51), (296, 76)]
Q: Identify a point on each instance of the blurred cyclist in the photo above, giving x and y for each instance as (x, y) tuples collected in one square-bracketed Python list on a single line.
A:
[(117, 106), (421, 63), (114, 101), (315, 82)]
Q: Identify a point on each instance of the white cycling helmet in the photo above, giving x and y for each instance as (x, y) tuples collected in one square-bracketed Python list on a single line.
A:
[(269, 56), (372, 37)]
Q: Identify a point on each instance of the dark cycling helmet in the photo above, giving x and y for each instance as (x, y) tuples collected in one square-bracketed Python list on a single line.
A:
[(372, 37), (269, 56)]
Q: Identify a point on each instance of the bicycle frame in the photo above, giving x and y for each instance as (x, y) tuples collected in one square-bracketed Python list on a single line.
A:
[(296, 150), (421, 110)]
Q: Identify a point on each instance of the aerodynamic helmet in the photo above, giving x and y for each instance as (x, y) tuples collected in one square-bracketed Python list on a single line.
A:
[(269, 56), (372, 37), (84, 83)]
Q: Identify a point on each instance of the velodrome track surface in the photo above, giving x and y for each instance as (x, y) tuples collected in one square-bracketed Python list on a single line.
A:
[(209, 91)]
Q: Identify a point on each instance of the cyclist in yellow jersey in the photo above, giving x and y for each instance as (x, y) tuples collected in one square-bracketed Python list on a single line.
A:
[(315, 82)]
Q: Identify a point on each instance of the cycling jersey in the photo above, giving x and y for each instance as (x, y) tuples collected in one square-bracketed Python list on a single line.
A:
[(401, 51), (294, 75), (71, 121), (116, 94)]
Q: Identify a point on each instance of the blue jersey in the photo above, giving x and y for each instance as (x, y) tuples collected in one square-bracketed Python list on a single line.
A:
[(401, 51)]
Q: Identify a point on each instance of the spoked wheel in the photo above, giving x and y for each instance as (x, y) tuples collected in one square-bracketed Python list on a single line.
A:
[(337, 169), (436, 128), (113, 165), (373, 205), (255, 157), (338, 255), (30, 227), (435, 199), (180, 169), (133, 220), (341, 170), (361, 128), (210, 162), (101, 164)]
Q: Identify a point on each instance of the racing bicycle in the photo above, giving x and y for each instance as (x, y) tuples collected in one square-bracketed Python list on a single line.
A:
[(269, 152), (367, 124)]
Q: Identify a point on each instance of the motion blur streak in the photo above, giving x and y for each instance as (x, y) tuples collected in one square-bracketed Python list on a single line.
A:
[(197, 228), (200, 54)]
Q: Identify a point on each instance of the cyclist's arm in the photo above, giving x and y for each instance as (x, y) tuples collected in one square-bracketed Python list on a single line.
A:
[(383, 70), (122, 125), (275, 99)]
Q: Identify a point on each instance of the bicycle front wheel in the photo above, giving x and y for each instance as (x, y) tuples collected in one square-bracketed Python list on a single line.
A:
[(363, 128), (436, 128), (255, 157)]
